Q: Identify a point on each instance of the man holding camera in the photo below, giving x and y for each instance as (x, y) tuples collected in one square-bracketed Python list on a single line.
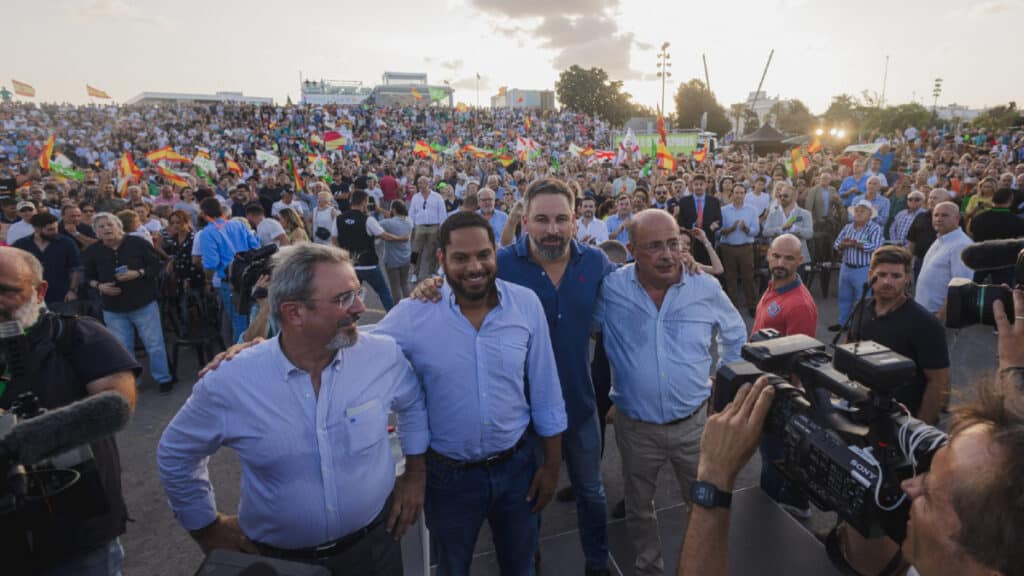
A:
[(219, 241), (70, 359), (307, 413), (966, 516)]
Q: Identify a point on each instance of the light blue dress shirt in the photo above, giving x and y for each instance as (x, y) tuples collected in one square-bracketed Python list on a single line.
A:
[(313, 468), (221, 240), (731, 215), (613, 222), (661, 358), (497, 220), (475, 381)]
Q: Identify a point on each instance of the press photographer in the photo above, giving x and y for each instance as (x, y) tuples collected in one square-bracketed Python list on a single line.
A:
[(966, 512), (69, 359)]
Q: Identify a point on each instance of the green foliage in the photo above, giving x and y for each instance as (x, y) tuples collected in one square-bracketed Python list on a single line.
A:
[(692, 100), (845, 111), (793, 117), (999, 117), (893, 118), (592, 92)]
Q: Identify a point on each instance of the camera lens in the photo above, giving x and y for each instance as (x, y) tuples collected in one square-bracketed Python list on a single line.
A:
[(968, 303)]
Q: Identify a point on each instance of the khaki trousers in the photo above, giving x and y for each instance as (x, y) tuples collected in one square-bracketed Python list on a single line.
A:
[(645, 448), (738, 262), (425, 243)]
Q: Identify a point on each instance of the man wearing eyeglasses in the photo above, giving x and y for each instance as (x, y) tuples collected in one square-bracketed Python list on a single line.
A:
[(307, 414), (657, 323), (902, 221)]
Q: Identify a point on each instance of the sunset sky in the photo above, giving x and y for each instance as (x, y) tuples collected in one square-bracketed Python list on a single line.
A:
[(822, 48)]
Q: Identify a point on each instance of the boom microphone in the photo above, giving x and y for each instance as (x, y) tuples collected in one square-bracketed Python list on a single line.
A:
[(60, 430), (992, 255)]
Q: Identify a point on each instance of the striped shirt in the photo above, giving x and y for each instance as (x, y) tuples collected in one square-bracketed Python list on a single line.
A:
[(870, 238), (901, 226)]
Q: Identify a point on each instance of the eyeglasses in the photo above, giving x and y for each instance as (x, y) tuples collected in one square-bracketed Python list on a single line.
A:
[(673, 245), (346, 300)]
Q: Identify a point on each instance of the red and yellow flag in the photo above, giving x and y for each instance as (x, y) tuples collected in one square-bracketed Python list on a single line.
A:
[(127, 170), (797, 160), (422, 149), (416, 94), (702, 154), (23, 89), (233, 166), (662, 133), (665, 159), (167, 154), (173, 177), (333, 140), (527, 123), (96, 92), (44, 156), (815, 146)]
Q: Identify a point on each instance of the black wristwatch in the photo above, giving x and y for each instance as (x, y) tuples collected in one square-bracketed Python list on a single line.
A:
[(708, 495)]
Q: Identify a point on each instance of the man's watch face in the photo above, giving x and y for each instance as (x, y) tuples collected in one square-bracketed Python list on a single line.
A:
[(704, 494)]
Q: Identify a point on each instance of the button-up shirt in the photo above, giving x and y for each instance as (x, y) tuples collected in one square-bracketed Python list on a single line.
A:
[(314, 468), (802, 228), (221, 241), (730, 216), (597, 230), (613, 222), (660, 356), (498, 219), (870, 238), (901, 225), (475, 380), (569, 308), (881, 204), (941, 264), (426, 212)]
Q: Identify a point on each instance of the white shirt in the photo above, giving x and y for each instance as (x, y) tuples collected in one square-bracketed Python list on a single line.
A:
[(324, 218), (758, 201), (431, 211), (268, 230), (597, 230), (142, 232), (280, 205), (19, 230), (941, 264)]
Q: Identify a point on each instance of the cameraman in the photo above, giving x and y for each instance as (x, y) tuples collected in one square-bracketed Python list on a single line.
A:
[(71, 358), (967, 512)]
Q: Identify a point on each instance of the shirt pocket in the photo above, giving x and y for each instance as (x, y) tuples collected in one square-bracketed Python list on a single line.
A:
[(506, 350), (365, 426), (688, 336)]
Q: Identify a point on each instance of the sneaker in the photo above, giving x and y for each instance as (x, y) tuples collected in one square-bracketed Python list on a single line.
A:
[(566, 494), (619, 511)]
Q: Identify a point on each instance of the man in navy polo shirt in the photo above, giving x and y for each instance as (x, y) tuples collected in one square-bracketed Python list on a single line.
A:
[(62, 267)]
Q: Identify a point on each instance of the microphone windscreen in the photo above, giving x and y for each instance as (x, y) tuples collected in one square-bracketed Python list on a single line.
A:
[(66, 427), (992, 255)]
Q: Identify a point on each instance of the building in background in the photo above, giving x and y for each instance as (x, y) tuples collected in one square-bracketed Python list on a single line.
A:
[(410, 88), (516, 98), (957, 112), (339, 92), (183, 98), (761, 104)]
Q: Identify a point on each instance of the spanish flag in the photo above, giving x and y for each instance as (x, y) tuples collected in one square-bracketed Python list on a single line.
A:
[(44, 157), (527, 123), (665, 159), (167, 154), (416, 94), (295, 175), (798, 160), (333, 140), (815, 146), (126, 172), (23, 89), (96, 92), (173, 177), (702, 154), (662, 133), (422, 149), (233, 166)]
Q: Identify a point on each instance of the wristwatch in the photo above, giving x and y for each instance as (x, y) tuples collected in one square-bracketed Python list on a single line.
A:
[(708, 495)]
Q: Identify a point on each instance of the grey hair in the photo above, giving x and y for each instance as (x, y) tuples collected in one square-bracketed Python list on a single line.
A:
[(294, 271), (107, 216), (34, 266)]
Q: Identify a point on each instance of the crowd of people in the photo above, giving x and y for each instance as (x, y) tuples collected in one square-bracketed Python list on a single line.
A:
[(539, 243)]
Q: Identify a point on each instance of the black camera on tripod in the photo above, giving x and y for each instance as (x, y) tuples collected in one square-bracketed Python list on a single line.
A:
[(847, 454)]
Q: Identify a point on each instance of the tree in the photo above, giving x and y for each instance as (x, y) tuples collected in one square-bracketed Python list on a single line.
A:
[(693, 99), (794, 117), (999, 117), (896, 118), (750, 122), (843, 111), (592, 92)]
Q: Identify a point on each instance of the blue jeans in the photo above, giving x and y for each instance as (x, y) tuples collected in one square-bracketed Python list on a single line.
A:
[(459, 500), (581, 449), (145, 320), (851, 282), (375, 278), (239, 321), (103, 561)]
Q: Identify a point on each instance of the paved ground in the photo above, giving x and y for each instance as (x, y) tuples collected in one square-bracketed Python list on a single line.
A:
[(156, 545)]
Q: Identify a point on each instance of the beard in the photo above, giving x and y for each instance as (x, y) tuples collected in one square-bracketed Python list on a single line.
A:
[(28, 314), (50, 237), (344, 339), (778, 273), (472, 294), (550, 251)]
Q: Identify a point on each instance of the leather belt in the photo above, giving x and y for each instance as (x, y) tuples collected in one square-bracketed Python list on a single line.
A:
[(492, 460), (327, 550), (685, 418)]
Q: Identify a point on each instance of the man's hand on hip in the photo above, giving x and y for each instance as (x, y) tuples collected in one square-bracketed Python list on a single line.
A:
[(224, 533)]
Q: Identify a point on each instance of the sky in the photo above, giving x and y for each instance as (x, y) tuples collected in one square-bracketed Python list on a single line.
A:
[(822, 48)]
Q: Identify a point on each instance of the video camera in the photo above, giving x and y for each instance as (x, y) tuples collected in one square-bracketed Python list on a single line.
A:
[(245, 269), (970, 303), (848, 455)]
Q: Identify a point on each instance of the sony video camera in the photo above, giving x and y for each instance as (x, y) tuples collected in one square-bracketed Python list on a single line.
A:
[(245, 269), (969, 303), (847, 443)]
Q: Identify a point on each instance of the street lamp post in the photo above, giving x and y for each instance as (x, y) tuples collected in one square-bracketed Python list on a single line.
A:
[(664, 64), (936, 92)]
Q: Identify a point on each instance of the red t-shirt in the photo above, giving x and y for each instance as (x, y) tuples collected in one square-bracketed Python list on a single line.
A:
[(389, 186), (789, 309)]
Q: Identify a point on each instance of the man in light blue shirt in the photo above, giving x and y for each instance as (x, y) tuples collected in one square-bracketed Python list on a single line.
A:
[(657, 324), (617, 222), (221, 240), (307, 414), (496, 218), (740, 226), (880, 202), (485, 360)]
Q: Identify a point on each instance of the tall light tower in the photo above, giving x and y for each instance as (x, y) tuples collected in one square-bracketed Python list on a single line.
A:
[(664, 63), (936, 92)]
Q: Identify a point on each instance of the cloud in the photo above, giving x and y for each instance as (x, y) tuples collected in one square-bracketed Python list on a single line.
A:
[(112, 10), (985, 10), (469, 83), (582, 32)]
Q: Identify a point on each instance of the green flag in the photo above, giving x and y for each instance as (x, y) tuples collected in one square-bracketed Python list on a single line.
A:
[(66, 172), (554, 164), (154, 190), (437, 94), (202, 174)]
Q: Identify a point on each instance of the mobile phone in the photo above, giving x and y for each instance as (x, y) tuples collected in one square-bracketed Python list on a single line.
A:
[(121, 269)]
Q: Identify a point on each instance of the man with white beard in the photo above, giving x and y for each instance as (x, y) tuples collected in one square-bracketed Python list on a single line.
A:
[(70, 359), (307, 413)]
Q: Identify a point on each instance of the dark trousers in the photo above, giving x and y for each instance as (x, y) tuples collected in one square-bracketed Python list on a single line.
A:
[(375, 278), (458, 500), (375, 554)]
